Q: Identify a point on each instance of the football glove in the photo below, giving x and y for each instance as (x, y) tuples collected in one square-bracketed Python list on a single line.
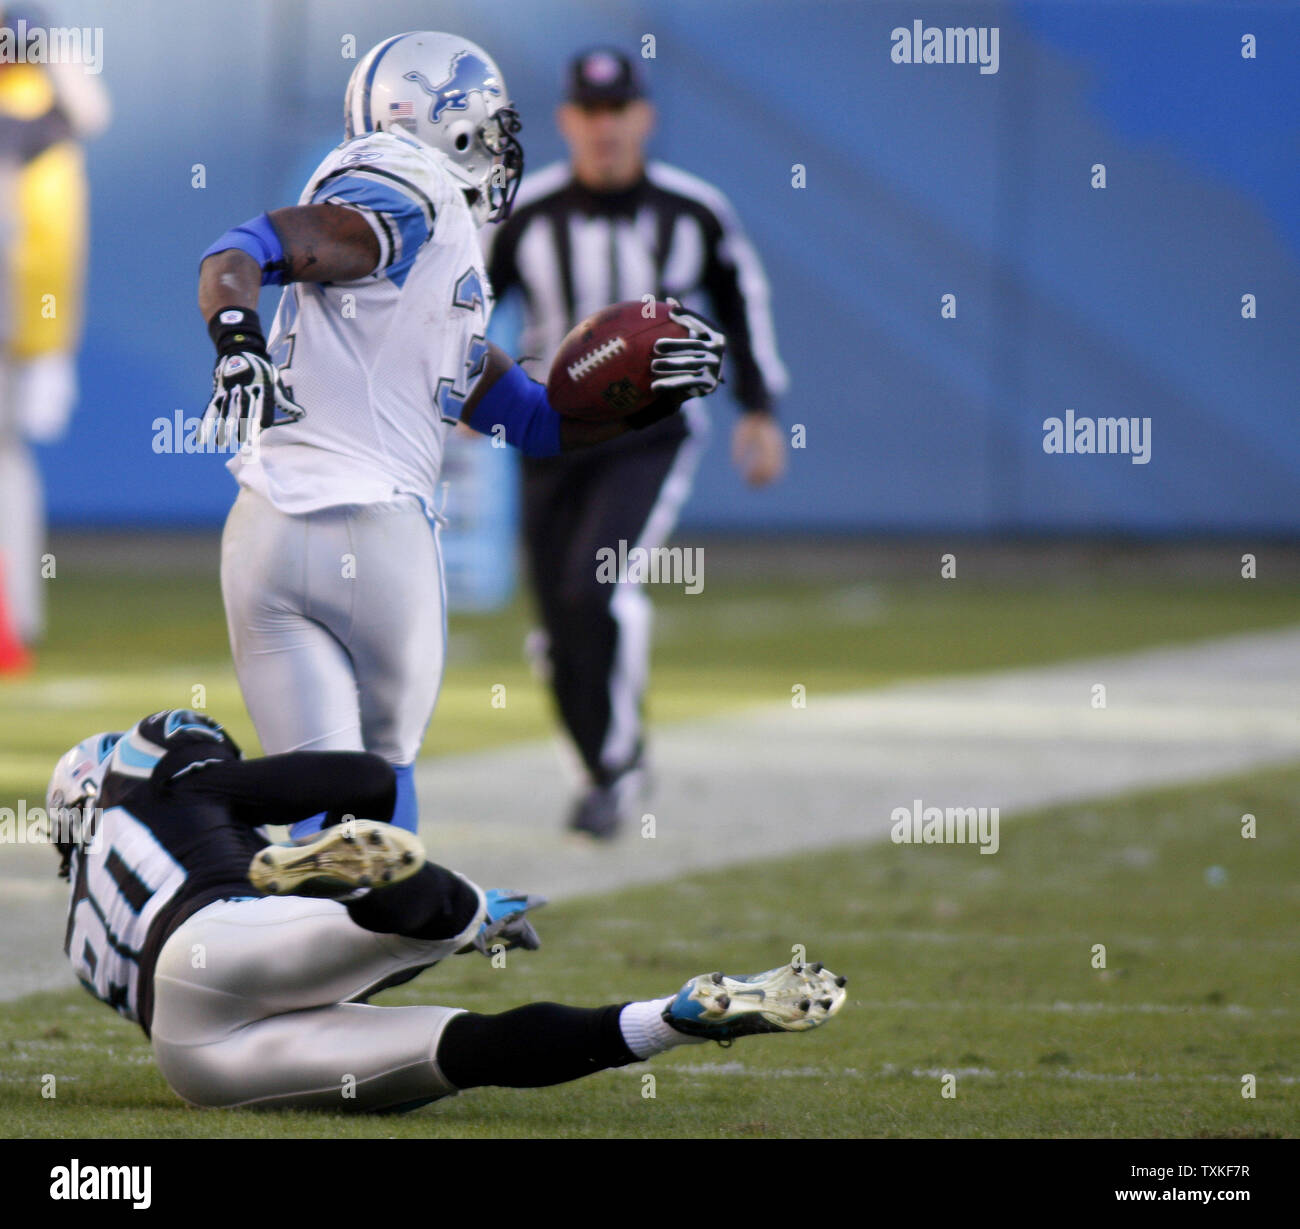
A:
[(248, 392), (688, 366), (506, 924)]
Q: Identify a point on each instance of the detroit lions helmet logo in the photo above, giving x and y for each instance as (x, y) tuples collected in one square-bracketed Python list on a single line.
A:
[(469, 75)]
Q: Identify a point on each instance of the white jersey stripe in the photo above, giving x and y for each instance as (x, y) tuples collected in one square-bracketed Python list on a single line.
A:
[(543, 337), (631, 610), (590, 238), (635, 271), (685, 259), (735, 246), (758, 313)]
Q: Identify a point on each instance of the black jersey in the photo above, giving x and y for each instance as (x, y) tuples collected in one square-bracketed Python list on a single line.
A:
[(177, 824), (572, 251)]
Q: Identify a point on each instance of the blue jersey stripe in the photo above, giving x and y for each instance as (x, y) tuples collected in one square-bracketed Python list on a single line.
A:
[(401, 212), (384, 176), (133, 757)]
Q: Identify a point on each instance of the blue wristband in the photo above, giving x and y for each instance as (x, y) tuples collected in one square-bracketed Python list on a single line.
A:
[(520, 406), (257, 237)]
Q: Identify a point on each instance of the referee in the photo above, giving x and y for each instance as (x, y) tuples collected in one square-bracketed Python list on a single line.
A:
[(606, 227)]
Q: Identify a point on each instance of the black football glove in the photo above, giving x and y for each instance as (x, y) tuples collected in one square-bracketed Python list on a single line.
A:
[(248, 393)]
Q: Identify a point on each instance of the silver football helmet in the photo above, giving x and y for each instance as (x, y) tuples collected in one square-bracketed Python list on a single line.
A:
[(74, 785), (447, 93)]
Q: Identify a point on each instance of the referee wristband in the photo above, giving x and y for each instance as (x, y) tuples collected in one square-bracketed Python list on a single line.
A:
[(234, 329)]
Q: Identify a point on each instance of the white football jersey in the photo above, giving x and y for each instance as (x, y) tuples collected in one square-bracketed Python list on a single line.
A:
[(381, 365)]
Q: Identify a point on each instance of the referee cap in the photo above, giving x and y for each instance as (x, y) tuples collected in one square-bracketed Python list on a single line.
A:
[(603, 75)]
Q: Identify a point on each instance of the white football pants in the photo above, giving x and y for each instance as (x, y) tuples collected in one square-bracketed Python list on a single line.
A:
[(250, 1009), (337, 624)]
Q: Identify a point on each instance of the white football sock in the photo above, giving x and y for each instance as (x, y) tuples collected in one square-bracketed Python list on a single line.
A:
[(645, 1031)]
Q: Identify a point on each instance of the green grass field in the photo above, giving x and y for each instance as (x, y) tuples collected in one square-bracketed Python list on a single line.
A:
[(981, 971), (958, 964), (121, 645)]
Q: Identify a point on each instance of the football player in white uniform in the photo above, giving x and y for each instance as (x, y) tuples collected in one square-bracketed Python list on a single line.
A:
[(331, 572), (158, 830)]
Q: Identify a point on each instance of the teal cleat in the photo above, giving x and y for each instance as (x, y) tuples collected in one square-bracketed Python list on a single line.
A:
[(505, 923)]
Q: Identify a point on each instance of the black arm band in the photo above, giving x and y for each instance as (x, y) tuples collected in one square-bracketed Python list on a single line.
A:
[(233, 329)]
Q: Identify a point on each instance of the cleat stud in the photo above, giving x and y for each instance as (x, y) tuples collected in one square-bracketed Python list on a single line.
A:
[(796, 968), (376, 838), (364, 881), (408, 857), (816, 968), (716, 978), (387, 877), (723, 1002), (805, 1004), (273, 886), (841, 980), (349, 839), (826, 1004)]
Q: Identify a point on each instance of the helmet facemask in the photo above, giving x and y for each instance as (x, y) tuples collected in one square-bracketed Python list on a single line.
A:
[(73, 793), (498, 136)]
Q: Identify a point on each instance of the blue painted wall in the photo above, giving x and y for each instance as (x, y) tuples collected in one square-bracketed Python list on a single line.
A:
[(921, 180)]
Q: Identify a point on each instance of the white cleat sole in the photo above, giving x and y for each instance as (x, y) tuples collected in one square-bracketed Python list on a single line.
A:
[(791, 999), (358, 853)]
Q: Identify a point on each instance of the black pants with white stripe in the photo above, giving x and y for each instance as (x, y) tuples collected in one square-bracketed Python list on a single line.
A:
[(629, 489)]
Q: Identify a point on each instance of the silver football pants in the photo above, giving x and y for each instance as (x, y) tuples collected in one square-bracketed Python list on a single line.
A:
[(337, 624), (250, 1009)]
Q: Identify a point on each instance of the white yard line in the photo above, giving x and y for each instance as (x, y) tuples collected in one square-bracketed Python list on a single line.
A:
[(780, 780), (889, 1071)]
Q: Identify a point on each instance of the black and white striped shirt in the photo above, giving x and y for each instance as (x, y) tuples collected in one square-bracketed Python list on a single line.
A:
[(572, 251)]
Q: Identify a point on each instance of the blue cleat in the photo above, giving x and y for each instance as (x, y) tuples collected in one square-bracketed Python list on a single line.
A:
[(790, 999)]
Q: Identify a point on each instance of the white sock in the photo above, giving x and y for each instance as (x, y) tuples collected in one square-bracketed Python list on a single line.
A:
[(647, 1033)]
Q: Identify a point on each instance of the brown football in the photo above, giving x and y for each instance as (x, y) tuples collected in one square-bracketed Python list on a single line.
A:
[(602, 368)]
